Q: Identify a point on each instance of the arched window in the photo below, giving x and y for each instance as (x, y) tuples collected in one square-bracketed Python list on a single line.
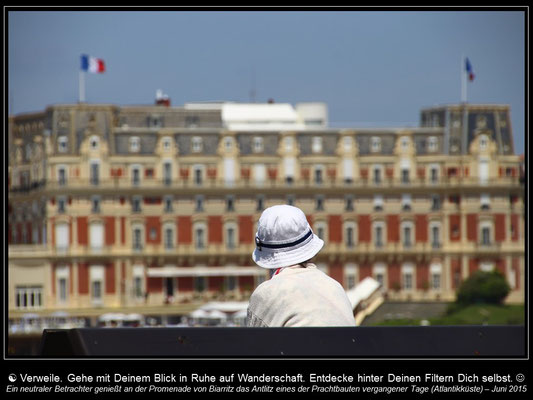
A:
[(435, 274), (350, 234), (350, 276), (408, 276), (200, 235), (96, 235)]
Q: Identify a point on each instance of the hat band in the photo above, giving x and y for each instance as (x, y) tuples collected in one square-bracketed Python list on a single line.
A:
[(260, 244)]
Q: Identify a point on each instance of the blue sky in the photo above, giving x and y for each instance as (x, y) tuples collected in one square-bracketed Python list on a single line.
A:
[(372, 68)]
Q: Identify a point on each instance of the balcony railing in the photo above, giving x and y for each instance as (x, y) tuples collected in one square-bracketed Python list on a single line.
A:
[(338, 249), (165, 184)]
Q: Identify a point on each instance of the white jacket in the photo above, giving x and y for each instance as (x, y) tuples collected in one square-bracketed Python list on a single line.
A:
[(299, 296)]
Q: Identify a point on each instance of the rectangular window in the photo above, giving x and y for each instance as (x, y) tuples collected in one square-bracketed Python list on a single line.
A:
[(61, 205), (290, 200), (96, 235), (230, 204), (435, 202), (288, 143), (380, 277), (378, 236), (289, 167), (377, 176), (318, 176), (485, 236), (199, 203), (259, 173), (199, 236), (406, 202), (258, 144), (230, 238), (375, 144), (95, 204), (350, 281), (407, 236), (169, 238), (138, 281), (435, 281), (96, 290), (407, 281), (260, 203), (135, 144), (349, 237), (167, 173), (27, 297), (62, 236), (62, 176), (319, 203), (199, 284), (432, 144), (378, 202), (137, 239), (95, 173), (136, 204), (348, 203), (198, 176), (405, 175), (138, 287), (320, 232), (168, 204), (316, 144), (485, 201), (434, 175), (347, 169), (231, 283), (62, 144), (435, 237), (135, 176), (196, 144), (62, 283)]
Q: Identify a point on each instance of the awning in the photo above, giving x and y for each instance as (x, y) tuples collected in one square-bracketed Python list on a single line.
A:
[(169, 271)]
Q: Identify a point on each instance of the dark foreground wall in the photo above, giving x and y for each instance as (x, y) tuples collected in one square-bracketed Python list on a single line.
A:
[(431, 341)]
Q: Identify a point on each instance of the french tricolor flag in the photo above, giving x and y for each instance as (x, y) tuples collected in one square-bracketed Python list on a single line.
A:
[(469, 70), (92, 64)]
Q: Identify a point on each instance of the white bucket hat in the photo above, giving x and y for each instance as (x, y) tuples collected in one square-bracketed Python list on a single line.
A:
[(284, 238)]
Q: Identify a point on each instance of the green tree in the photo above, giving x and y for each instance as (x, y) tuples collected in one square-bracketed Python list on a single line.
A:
[(483, 287)]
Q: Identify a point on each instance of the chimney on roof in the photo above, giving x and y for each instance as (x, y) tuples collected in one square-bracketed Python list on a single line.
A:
[(161, 99), (271, 101)]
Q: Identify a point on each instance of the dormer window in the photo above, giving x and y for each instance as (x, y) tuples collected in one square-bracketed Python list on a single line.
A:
[(347, 143), (167, 143), (316, 145), (375, 144), (62, 144), (196, 144), (289, 143), (432, 144), (135, 144), (155, 121), (258, 144), (404, 141), (94, 142), (483, 142)]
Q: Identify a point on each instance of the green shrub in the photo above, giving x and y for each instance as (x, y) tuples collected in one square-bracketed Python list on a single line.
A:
[(483, 287)]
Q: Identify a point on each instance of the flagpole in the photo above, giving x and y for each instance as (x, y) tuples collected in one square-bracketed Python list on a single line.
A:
[(82, 87), (463, 79)]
